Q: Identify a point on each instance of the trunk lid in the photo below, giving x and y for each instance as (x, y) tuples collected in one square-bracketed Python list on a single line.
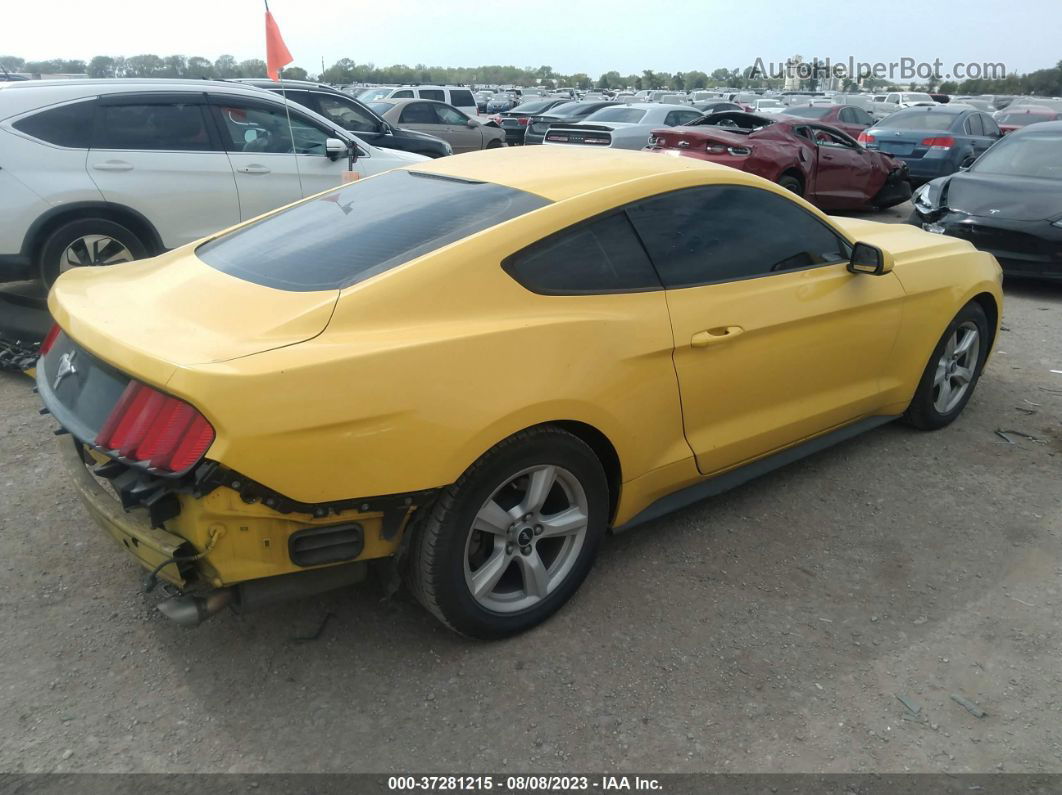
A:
[(151, 316), (582, 134)]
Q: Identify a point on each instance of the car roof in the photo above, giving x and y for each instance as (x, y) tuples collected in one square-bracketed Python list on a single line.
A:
[(558, 172), (407, 100)]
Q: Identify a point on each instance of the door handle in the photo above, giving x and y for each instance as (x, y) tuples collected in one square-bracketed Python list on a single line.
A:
[(113, 165), (713, 336), (253, 169)]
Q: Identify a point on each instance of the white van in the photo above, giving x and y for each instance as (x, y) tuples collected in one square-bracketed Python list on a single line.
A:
[(460, 97)]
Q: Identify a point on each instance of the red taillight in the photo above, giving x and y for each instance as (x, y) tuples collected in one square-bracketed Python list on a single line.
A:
[(49, 339), (524, 121), (155, 429), (939, 142), (865, 139)]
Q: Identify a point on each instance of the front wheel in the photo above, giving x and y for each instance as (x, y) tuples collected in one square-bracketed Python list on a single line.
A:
[(503, 548), (952, 372)]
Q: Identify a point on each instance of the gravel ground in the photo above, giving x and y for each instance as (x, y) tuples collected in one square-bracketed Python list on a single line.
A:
[(774, 628)]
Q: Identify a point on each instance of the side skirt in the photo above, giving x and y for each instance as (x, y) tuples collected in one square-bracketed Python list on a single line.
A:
[(742, 474)]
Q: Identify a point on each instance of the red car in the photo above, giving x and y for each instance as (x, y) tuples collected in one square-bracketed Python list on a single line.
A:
[(1011, 120), (822, 164), (846, 118)]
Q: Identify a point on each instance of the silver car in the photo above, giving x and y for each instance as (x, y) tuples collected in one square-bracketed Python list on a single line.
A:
[(620, 126)]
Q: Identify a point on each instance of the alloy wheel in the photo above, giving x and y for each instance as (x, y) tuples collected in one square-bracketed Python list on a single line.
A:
[(526, 538), (93, 250), (956, 367)]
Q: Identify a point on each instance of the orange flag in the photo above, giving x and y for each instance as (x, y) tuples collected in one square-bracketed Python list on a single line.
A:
[(277, 55)]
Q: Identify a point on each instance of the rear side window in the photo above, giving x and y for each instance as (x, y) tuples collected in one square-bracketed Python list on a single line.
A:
[(69, 125), (366, 228), (160, 127), (462, 98), (404, 94), (432, 93), (600, 256)]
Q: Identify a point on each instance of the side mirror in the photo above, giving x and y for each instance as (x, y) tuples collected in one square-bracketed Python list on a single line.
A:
[(473, 123), (869, 259), (336, 148)]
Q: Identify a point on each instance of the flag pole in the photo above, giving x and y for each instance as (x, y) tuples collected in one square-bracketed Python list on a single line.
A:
[(287, 111)]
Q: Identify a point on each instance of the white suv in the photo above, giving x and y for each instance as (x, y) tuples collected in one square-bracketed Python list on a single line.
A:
[(100, 171), (460, 97)]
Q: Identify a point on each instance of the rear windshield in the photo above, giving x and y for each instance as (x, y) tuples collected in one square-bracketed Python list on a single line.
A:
[(366, 228), (808, 112), (918, 120), (1024, 117), (619, 115)]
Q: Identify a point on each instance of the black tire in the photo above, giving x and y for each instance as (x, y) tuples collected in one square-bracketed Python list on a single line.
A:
[(792, 183), (62, 237), (923, 413), (435, 569)]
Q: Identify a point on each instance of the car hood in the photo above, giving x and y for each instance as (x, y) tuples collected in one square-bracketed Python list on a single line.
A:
[(1003, 197), (152, 316)]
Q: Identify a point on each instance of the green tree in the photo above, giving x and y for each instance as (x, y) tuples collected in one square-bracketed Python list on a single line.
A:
[(101, 66), (175, 66), (200, 67), (696, 79), (226, 66), (295, 73), (253, 67), (649, 79), (677, 82), (145, 66), (721, 76), (12, 63)]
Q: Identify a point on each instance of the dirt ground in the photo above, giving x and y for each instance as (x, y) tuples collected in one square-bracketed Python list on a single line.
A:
[(774, 628)]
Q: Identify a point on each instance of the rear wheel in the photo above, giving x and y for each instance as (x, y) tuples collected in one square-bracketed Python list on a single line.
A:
[(952, 372), (503, 548), (88, 242), (495, 144)]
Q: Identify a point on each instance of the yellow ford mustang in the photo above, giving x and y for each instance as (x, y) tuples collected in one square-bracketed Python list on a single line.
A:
[(475, 366)]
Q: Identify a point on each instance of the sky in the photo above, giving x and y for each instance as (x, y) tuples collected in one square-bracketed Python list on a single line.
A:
[(570, 36)]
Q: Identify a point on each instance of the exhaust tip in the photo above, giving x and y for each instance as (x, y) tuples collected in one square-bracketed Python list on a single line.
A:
[(191, 611)]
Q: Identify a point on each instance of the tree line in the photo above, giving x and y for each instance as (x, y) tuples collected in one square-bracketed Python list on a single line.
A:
[(1043, 82)]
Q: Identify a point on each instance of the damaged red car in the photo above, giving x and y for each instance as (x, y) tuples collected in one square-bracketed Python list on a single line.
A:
[(818, 162)]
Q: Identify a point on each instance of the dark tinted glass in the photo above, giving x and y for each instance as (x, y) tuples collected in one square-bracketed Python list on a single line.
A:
[(418, 113), (69, 125), (600, 256), (727, 232), (432, 93), (371, 226), (973, 125), (158, 127), (462, 98)]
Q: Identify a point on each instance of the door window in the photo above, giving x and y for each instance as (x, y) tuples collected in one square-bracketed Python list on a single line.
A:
[(346, 113), (990, 126), (972, 125), (729, 232), (462, 98), (448, 115), (432, 93), (161, 127), (403, 94), (258, 129), (418, 113)]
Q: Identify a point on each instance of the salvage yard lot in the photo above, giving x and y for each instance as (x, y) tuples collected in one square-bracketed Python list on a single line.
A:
[(770, 629)]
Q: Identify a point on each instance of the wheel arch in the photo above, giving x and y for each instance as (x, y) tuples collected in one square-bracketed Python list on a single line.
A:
[(987, 302), (118, 213)]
